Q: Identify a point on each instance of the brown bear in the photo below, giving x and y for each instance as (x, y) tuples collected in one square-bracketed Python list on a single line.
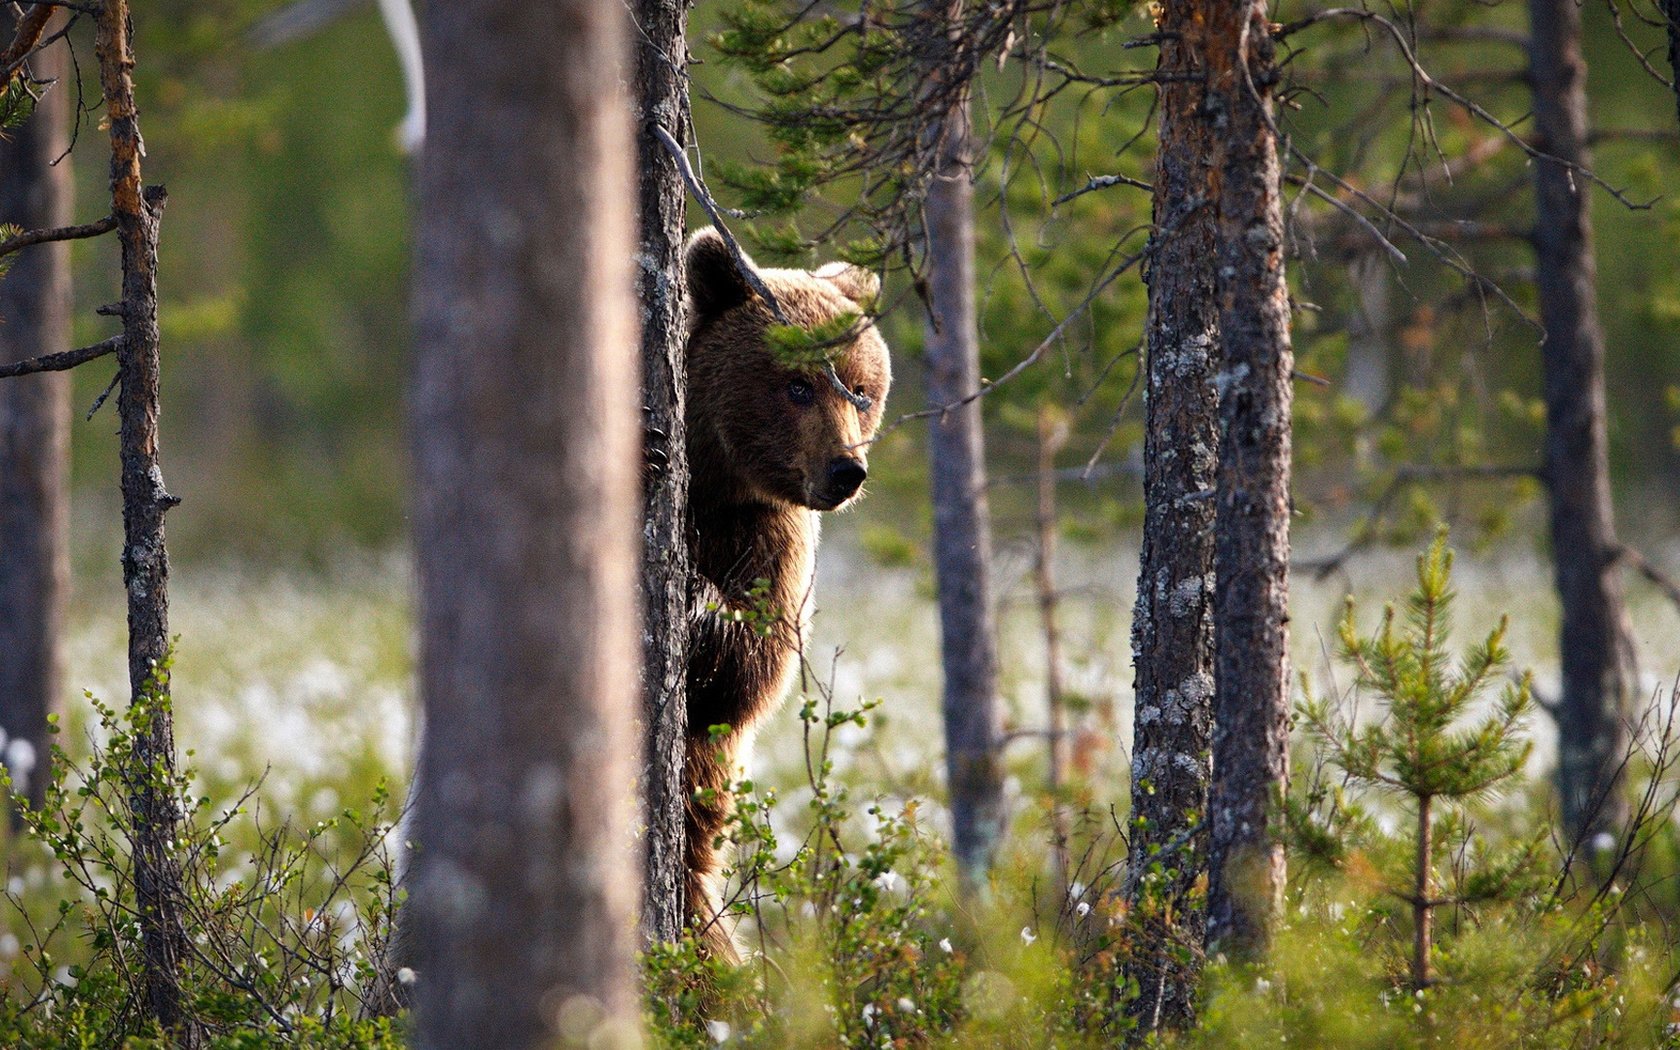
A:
[(769, 446)]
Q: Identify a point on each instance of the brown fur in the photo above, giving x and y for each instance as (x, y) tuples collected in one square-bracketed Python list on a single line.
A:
[(760, 466)]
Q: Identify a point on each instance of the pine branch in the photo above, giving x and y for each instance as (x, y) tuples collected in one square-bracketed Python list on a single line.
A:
[(62, 361), (61, 233)]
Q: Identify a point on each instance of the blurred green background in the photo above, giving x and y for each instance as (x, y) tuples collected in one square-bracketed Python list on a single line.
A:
[(285, 289)]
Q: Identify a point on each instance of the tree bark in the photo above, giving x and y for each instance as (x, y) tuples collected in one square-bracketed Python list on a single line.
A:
[(1595, 639), (962, 539), (34, 428), (1172, 628), (1671, 14), (1251, 557), (662, 101), (525, 436), (145, 558)]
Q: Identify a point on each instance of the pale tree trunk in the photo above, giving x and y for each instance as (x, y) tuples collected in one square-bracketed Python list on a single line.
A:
[(1596, 638), (1052, 435), (962, 538), (34, 426), (1172, 627), (145, 559), (1251, 557), (661, 55), (527, 878)]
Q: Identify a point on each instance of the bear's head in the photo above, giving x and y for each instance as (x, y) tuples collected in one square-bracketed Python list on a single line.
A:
[(761, 430)]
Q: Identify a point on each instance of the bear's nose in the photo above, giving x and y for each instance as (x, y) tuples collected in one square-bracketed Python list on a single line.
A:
[(845, 475)]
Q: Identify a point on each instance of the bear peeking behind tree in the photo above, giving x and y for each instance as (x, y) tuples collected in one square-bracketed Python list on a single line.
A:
[(769, 445)]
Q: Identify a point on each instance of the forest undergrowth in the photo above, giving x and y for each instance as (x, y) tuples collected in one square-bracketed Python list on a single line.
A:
[(854, 932)]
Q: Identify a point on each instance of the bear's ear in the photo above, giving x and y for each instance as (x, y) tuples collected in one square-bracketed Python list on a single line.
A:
[(855, 283), (715, 283)]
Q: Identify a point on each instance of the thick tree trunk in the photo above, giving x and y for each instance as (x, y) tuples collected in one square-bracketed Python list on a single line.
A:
[(34, 427), (1251, 559), (145, 559), (1172, 627), (662, 101), (1595, 641), (962, 538), (526, 880)]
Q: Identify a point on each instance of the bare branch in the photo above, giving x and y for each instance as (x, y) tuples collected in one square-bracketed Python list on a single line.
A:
[(1646, 568), (62, 361), (1103, 182), (61, 233), (29, 30), (704, 196)]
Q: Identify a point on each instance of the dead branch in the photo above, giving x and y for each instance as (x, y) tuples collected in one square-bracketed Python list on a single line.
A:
[(61, 233), (1646, 568), (30, 28), (1103, 182), (1410, 474), (62, 361)]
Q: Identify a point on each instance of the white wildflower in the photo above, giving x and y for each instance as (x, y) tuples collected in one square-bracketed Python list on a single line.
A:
[(945, 945), (1262, 985), (1083, 909), (1076, 891), (868, 1013), (1603, 842), (405, 976), (1027, 936), (718, 1030), (905, 1006)]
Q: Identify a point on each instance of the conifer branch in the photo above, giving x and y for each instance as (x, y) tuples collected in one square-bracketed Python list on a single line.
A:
[(60, 233), (62, 361)]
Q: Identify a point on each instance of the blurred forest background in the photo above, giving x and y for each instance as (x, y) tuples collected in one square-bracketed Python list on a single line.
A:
[(286, 327)]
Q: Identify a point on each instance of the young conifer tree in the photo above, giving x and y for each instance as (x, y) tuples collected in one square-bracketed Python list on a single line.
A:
[(1435, 744)]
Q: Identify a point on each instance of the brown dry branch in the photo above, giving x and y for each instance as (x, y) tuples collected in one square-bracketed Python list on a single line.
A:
[(1669, 586), (62, 361), (29, 31), (61, 233)]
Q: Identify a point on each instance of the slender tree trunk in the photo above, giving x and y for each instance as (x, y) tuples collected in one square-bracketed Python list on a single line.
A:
[(1052, 435), (145, 559), (1595, 642), (1368, 330), (1671, 14), (1423, 890), (662, 101), (962, 538), (1172, 625), (526, 881), (34, 428), (1251, 558)]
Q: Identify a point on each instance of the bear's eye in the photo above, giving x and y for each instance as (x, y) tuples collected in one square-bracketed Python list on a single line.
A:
[(800, 392), (860, 391)]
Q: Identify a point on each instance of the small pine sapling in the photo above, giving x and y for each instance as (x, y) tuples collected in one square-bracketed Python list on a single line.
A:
[(1434, 744)]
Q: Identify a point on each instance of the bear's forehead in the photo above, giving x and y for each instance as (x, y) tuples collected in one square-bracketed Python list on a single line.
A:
[(806, 298)]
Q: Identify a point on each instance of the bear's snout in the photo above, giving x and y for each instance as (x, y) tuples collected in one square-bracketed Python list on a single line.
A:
[(845, 477)]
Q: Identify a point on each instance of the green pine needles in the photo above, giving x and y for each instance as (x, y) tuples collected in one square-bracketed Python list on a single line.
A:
[(1434, 743)]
